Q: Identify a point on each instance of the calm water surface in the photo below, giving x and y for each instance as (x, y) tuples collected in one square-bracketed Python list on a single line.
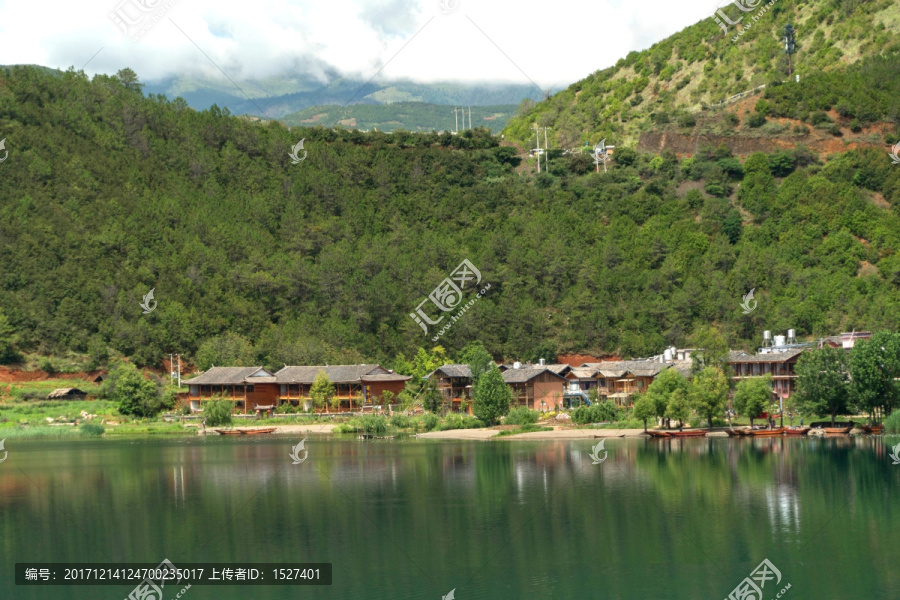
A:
[(494, 520)]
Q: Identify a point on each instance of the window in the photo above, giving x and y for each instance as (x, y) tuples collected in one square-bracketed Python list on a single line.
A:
[(249, 389)]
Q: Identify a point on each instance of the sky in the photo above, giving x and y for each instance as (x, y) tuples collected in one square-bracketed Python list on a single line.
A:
[(547, 43)]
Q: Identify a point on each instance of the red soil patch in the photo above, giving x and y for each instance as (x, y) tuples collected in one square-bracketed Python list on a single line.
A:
[(8, 375)]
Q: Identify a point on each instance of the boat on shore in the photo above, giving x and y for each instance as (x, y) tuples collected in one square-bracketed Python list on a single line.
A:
[(691, 433), (767, 432), (876, 429), (658, 434), (796, 430), (245, 431), (840, 430)]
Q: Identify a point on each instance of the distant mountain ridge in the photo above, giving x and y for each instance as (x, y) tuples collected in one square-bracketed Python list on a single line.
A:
[(275, 98), (409, 116)]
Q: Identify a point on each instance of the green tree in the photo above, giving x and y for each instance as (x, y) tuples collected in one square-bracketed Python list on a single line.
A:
[(218, 412), (712, 349), (822, 382), (227, 350), (709, 393), (136, 396), (679, 407), (129, 79), (874, 368), (322, 390), (492, 397), (752, 396), (661, 389), (478, 358), (8, 340), (644, 409)]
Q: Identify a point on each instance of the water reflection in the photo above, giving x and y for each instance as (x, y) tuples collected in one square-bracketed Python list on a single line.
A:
[(500, 519)]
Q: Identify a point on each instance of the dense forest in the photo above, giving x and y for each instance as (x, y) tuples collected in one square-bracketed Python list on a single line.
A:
[(106, 194), (681, 82)]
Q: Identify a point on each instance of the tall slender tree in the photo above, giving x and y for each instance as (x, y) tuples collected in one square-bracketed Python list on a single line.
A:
[(822, 382)]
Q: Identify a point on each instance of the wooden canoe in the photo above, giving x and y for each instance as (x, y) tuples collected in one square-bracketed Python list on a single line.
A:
[(873, 428), (659, 434), (837, 429), (681, 434), (767, 432), (797, 430), (245, 431)]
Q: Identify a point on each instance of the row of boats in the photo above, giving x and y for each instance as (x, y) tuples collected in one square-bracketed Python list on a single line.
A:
[(765, 432)]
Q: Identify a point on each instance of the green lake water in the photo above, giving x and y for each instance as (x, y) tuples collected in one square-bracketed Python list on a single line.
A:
[(493, 520)]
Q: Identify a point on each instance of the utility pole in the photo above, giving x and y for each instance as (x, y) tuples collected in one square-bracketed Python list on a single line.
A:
[(171, 368), (179, 370), (546, 151), (537, 134), (790, 47), (456, 116), (470, 117)]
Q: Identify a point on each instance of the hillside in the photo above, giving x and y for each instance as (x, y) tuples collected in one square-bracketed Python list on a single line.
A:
[(686, 83), (106, 194), (408, 116)]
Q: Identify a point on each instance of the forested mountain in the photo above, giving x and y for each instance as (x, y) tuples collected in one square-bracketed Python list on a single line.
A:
[(106, 194), (684, 82)]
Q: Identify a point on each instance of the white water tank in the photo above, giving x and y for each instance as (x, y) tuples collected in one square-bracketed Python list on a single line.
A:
[(542, 362), (667, 355), (517, 365), (767, 338), (779, 340), (792, 336)]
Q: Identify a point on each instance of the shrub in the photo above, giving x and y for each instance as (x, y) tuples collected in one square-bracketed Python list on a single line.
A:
[(819, 117), (372, 424), (429, 421), (756, 119), (400, 421), (732, 119), (182, 408), (687, 120), (285, 408), (92, 429), (595, 413), (521, 415), (218, 412), (855, 126), (892, 423)]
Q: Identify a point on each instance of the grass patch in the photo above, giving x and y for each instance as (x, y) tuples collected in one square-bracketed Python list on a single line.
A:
[(40, 432)]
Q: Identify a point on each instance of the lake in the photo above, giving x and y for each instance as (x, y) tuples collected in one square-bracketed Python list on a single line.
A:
[(493, 520)]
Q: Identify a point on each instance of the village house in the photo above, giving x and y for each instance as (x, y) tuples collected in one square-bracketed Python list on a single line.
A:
[(249, 387), (454, 382), (537, 387), (255, 389), (355, 386)]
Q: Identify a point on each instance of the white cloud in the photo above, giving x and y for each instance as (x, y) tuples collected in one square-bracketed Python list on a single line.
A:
[(550, 43)]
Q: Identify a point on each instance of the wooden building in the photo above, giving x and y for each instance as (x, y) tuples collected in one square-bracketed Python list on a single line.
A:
[(248, 387), (454, 382), (536, 387), (780, 365), (619, 380), (355, 386)]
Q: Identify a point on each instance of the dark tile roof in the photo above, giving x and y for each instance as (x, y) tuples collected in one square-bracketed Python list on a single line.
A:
[(453, 371), (229, 376), (386, 377), (336, 373), (764, 358), (526, 374)]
